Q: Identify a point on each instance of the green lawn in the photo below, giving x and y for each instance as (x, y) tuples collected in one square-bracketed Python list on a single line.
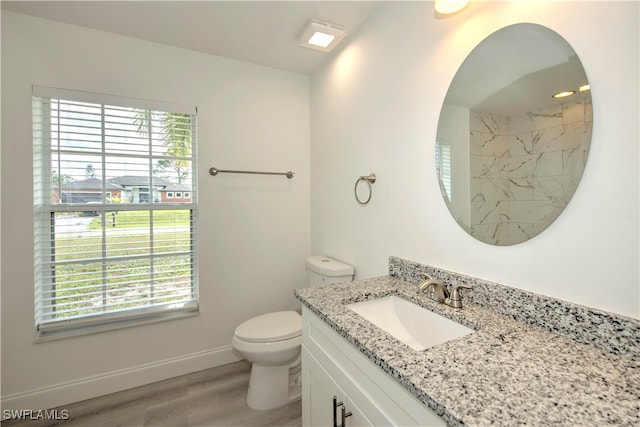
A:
[(87, 283), (135, 219)]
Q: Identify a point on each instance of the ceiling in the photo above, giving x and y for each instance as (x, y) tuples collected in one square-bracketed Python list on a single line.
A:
[(516, 70), (260, 32)]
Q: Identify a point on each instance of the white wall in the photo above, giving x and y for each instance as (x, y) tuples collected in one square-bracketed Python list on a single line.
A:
[(254, 230), (375, 108)]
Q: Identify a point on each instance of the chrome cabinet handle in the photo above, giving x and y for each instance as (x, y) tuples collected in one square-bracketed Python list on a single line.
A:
[(335, 410), (344, 414)]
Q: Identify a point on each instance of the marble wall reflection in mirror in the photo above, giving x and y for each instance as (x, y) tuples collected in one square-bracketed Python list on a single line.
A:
[(509, 155)]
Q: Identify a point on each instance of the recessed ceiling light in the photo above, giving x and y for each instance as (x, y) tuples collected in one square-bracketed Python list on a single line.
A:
[(564, 94), (584, 88), (446, 7), (321, 39), (321, 36)]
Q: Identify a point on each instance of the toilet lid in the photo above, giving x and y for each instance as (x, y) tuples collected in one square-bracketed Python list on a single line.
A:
[(277, 326)]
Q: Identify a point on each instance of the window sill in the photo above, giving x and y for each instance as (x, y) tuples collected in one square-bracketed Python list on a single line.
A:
[(72, 332)]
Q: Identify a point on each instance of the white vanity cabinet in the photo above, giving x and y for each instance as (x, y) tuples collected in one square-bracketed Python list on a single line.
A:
[(333, 367)]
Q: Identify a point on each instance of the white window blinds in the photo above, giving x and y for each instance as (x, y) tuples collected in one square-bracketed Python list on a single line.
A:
[(110, 244), (443, 166)]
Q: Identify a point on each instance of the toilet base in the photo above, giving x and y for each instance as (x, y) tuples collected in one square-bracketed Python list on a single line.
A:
[(272, 386)]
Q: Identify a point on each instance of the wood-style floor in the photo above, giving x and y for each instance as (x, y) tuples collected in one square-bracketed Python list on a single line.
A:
[(214, 397)]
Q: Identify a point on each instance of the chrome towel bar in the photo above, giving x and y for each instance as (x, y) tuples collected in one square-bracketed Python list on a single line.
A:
[(216, 171)]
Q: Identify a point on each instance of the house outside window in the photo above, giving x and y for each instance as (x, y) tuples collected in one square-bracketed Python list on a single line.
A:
[(143, 195), (108, 252)]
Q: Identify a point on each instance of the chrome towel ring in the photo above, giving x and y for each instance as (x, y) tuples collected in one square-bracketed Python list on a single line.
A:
[(369, 179)]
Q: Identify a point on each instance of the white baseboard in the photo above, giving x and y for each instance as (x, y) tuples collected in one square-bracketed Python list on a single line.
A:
[(110, 382)]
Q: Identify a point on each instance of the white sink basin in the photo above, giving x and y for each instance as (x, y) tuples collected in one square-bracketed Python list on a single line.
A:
[(415, 326)]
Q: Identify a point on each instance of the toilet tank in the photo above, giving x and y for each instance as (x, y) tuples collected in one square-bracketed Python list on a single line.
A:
[(322, 270)]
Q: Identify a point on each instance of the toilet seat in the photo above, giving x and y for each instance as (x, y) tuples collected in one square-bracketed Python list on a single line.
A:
[(270, 327)]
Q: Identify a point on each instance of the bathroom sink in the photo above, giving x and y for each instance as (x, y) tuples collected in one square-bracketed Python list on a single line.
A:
[(415, 326)]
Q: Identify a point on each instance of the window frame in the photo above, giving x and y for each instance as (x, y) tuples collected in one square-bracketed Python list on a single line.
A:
[(45, 209)]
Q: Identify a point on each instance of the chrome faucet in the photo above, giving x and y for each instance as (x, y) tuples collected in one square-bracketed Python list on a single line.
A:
[(455, 301), (438, 292), (434, 289)]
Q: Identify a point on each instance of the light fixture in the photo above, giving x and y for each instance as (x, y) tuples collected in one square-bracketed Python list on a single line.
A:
[(564, 94), (584, 88), (447, 7), (321, 36)]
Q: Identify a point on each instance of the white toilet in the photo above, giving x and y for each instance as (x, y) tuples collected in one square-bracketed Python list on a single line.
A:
[(271, 342)]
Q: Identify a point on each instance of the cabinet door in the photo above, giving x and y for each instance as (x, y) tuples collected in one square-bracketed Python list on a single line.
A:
[(319, 388)]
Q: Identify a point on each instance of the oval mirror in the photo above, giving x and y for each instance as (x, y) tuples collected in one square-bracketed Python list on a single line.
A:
[(509, 154)]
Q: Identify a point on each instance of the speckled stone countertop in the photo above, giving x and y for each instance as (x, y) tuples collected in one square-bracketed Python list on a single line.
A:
[(506, 373)]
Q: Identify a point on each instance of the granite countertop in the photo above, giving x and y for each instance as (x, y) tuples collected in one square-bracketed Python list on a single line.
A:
[(506, 373)]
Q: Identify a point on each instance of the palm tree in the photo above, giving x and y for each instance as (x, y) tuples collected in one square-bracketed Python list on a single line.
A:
[(176, 134), (176, 138), (90, 171)]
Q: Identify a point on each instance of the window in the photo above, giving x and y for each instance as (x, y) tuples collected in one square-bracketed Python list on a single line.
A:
[(178, 195), (169, 194), (108, 252), (443, 166)]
